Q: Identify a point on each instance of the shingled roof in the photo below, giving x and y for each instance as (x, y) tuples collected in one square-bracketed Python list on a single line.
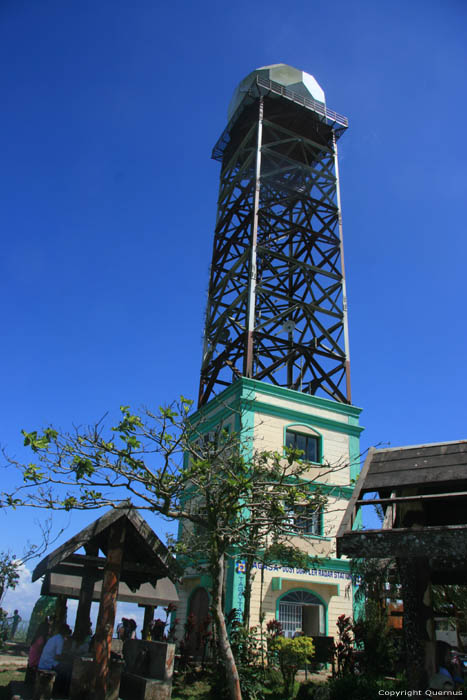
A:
[(441, 464)]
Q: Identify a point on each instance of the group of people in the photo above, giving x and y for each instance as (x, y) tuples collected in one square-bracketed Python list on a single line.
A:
[(126, 629), (53, 649), (9, 625), (49, 648)]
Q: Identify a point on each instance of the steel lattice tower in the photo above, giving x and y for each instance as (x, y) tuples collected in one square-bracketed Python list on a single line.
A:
[(277, 307)]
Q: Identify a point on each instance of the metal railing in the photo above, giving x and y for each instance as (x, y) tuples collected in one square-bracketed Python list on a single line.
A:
[(309, 102)]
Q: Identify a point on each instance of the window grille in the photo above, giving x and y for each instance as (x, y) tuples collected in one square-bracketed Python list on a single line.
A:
[(291, 611)]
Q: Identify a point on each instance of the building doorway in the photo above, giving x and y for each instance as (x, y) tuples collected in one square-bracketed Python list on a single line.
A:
[(302, 610), (199, 608)]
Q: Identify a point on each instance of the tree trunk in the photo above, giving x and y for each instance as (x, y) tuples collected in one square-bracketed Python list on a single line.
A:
[(233, 680), (247, 592)]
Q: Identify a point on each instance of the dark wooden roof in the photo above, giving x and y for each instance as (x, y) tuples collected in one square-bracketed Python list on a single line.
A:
[(145, 557), (440, 463), (427, 483)]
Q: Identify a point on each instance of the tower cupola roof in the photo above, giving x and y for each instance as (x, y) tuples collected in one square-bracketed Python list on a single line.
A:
[(293, 79)]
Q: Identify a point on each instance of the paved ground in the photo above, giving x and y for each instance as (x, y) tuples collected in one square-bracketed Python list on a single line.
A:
[(316, 676)]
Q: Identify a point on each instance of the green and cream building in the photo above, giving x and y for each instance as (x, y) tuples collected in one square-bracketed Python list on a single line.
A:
[(268, 418)]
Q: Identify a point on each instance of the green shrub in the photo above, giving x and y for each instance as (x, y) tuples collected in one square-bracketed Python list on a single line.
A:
[(292, 655), (350, 687), (313, 691), (246, 648), (375, 641)]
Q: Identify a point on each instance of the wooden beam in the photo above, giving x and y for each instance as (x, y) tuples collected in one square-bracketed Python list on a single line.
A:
[(434, 542), (389, 514), (70, 570), (83, 613), (424, 497), (132, 567), (148, 618), (108, 605), (60, 612)]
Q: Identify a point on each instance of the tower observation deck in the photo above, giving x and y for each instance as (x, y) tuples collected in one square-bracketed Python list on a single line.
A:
[(276, 308)]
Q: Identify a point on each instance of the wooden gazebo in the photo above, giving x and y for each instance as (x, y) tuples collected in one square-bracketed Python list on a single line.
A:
[(122, 558), (423, 492)]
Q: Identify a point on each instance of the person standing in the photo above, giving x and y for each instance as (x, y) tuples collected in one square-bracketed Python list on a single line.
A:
[(15, 620)]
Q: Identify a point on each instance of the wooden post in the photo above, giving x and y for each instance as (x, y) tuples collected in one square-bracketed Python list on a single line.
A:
[(148, 618), (418, 621), (60, 612), (86, 593), (108, 605)]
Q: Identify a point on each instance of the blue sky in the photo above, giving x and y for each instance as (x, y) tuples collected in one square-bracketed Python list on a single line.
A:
[(108, 201)]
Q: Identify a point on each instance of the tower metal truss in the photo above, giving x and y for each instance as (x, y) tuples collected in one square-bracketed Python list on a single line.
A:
[(276, 308)]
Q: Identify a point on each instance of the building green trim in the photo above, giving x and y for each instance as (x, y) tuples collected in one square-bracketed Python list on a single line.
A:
[(208, 422), (234, 390), (247, 404), (243, 384), (354, 457), (300, 397), (336, 490), (335, 564), (244, 427), (328, 563), (307, 419), (242, 396), (276, 584), (309, 536)]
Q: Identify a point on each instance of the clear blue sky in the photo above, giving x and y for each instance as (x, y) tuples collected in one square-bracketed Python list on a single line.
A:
[(108, 201)]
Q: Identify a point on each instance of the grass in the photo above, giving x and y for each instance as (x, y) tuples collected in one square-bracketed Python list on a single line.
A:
[(5, 677), (198, 690), (10, 675)]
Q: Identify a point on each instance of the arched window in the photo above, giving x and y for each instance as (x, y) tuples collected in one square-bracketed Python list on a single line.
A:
[(306, 439), (302, 610)]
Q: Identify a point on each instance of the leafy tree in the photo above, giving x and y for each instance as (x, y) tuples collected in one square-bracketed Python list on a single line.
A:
[(227, 497), (451, 601), (9, 573), (376, 581)]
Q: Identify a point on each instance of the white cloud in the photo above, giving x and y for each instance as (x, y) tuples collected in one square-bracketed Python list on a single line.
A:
[(24, 596)]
